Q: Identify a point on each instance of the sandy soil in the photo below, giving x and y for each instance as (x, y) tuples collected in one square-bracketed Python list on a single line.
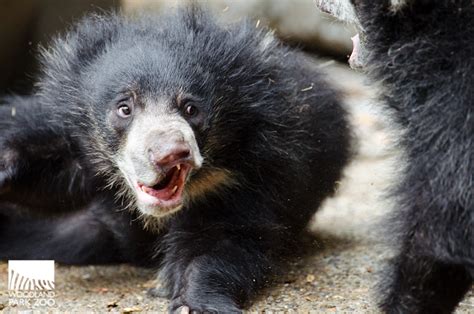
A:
[(338, 277)]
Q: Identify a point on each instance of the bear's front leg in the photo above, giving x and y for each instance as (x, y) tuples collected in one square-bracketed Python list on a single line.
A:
[(219, 269)]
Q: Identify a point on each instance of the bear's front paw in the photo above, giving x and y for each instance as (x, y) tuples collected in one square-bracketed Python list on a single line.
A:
[(205, 305)]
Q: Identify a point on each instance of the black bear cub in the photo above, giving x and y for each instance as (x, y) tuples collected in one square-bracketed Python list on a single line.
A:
[(422, 52), (217, 136)]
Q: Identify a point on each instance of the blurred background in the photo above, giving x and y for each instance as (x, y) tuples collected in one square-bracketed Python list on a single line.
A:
[(26, 24)]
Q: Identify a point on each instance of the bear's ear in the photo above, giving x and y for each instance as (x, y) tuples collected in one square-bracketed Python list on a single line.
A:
[(69, 54)]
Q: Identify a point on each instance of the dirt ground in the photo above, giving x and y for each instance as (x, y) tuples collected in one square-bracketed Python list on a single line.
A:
[(341, 272)]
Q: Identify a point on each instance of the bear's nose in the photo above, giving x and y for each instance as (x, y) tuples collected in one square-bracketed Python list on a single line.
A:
[(169, 154)]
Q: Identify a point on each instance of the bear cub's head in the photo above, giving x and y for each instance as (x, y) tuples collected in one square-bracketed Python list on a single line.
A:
[(167, 104)]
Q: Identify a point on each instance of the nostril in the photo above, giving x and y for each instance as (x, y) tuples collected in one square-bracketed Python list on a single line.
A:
[(183, 154), (164, 157), (174, 155)]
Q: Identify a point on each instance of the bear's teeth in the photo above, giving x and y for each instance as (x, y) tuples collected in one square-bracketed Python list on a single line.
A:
[(175, 188), (179, 167)]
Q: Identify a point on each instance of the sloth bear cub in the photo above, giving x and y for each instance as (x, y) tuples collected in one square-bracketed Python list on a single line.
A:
[(217, 137), (422, 52)]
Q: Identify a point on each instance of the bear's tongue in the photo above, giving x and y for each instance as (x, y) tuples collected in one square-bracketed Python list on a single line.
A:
[(356, 60), (169, 187)]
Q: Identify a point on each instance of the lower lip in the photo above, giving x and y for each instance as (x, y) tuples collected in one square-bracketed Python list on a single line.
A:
[(146, 198)]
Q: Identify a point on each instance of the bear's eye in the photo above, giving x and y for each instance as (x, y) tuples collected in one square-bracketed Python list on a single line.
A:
[(190, 110), (124, 110)]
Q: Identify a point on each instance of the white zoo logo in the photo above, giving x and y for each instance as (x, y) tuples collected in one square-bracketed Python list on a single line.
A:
[(31, 275)]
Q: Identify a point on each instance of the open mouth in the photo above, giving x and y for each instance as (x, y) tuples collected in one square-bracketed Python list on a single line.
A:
[(167, 193)]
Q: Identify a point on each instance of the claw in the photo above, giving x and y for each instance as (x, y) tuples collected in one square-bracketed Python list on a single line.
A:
[(184, 310)]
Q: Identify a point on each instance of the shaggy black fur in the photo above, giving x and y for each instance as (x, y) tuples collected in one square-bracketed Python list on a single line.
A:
[(273, 124), (423, 55), (40, 166)]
